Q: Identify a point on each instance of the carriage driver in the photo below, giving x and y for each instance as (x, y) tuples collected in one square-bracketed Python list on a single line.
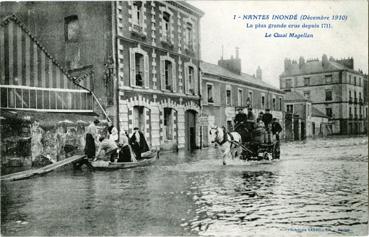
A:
[(240, 118)]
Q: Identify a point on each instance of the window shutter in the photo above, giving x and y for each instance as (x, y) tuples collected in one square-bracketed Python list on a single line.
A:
[(218, 98), (205, 94), (195, 85), (162, 74), (186, 80), (174, 77), (146, 71), (132, 67)]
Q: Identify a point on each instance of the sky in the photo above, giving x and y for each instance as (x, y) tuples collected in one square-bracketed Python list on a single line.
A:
[(345, 39)]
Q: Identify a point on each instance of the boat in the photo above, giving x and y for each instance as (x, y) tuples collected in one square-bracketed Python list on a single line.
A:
[(148, 158)]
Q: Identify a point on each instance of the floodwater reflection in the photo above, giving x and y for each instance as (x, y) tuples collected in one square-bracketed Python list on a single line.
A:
[(323, 188)]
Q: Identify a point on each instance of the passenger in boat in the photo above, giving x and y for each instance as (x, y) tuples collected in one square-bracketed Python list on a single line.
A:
[(106, 147), (91, 139), (138, 143), (125, 153), (112, 131)]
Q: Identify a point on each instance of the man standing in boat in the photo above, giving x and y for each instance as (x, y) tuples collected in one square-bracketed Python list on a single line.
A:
[(91, 139), (138, 143)]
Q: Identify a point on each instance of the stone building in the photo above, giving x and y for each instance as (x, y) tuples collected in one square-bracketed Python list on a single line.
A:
[(334, 87), (302, 119), (225, 88), (144, 57)]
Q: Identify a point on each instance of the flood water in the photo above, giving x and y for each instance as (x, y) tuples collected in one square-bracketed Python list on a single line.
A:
[(317, 188)]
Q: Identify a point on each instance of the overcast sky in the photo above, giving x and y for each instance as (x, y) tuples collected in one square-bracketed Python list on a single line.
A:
[(345, 39)]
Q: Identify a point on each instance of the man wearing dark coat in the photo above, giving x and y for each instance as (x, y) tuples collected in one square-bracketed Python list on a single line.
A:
[(276, 128), (138, 143), (267, 118), (240, 118)]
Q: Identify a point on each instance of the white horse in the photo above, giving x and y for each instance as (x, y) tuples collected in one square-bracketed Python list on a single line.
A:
[(228, 142)]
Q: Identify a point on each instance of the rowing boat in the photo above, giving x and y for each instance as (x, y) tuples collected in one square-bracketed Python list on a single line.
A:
[(148, 158)]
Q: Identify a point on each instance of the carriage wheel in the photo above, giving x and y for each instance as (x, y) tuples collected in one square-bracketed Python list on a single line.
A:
[(276, 151)]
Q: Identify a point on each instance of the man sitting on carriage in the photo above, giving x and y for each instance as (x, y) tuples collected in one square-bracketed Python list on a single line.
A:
[(240, 121)]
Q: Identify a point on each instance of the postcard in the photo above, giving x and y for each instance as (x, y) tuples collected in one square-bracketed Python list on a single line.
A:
[(184, 118)]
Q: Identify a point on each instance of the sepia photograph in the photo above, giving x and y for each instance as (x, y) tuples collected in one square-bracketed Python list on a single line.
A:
[(184, 118)]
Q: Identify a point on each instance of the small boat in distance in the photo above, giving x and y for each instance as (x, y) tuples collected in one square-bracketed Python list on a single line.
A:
[(148, 158)]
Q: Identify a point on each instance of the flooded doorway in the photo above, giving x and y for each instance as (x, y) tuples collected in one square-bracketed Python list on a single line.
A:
[(190, 130)]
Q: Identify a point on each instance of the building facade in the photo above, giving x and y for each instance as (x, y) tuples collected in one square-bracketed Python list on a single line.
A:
[(144, 57), (225, 88), (302, 119), (334, 87)]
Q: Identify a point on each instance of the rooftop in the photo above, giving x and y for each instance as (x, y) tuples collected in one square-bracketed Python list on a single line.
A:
[(317, 113), (214, 69), (294, 96), (292, 67)]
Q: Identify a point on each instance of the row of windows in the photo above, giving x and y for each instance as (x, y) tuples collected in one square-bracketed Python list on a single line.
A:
[(240, 98), (329, 96), (327, 80), (354, 81), (356, 110), (140, 72), (289, 82), (166, 24)]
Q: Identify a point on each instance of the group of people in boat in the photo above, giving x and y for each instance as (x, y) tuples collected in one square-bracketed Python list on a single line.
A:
[(107, 147), (259, 129)]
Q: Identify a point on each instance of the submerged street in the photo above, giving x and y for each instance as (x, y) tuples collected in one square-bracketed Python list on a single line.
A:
[(320, 187)]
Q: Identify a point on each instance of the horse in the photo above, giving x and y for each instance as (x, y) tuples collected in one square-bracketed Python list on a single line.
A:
[(228, 142)]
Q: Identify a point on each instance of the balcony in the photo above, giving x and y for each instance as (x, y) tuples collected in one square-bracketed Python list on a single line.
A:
[(166, 41), (137, 31)]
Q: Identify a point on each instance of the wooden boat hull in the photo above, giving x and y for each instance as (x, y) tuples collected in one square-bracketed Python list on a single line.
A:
[(150, 158)]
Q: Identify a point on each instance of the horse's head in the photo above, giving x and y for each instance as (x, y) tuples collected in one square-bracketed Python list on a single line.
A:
[(216, 134)]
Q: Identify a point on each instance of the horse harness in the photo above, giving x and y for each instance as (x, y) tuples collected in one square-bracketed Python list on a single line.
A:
[(225, 138)]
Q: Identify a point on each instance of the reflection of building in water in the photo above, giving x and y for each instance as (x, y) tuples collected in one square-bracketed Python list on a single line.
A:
[(333, 87)]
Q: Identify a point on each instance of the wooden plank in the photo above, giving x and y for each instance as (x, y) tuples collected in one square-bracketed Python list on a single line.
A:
[(29, 173)]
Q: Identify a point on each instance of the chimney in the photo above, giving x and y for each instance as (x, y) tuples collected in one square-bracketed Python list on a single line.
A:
[(301, 62), (287, 65), (324, 61), (232, 64), (259, 73), (347, 62)]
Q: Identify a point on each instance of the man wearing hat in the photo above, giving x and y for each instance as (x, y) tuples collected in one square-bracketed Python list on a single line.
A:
[(240, 118), (250, 115), (267, 118), (91, 139)]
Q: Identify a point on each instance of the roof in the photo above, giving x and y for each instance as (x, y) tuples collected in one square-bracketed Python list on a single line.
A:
[(317, 113), (214, 69), (294, 96), (315, 66)]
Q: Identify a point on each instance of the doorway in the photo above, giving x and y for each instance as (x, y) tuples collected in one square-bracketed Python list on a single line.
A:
[(190, 130)]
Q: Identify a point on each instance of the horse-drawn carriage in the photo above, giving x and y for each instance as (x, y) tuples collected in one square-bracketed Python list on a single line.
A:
[(257, 143), (248, 141)]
